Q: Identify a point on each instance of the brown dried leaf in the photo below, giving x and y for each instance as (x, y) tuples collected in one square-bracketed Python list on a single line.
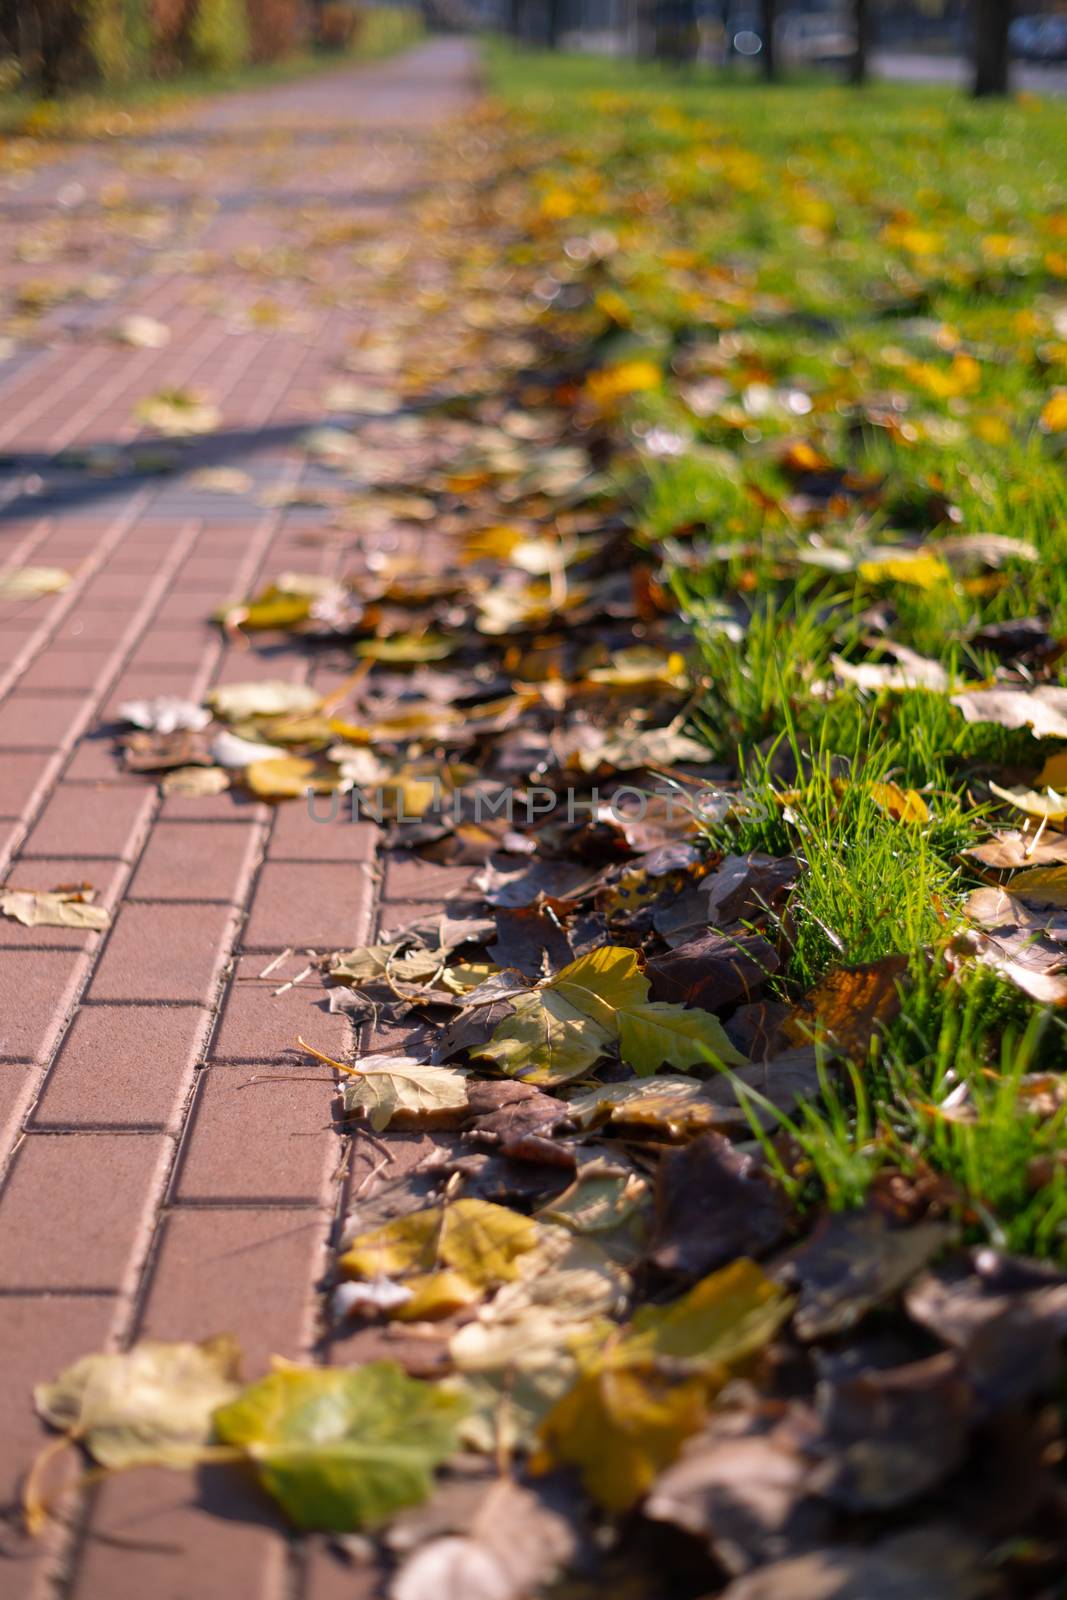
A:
[(850, 1005), (713, 970), (712, 1205), (853, 1262), (1043, 710)]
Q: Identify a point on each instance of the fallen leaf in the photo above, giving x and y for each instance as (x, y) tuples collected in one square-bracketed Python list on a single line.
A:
[(342, 1449), (1022, 957), (560, 1029), (909, 671), (627, 1416), (745, 886), (967, 552), (165, 713), (386, 1088), (934, 1561), (160, 752), (890, 1434), (609, 1204), (283, 777), (713, 970), (30, 583), (850, 1006), (177, 413), (514, 1543), (222, 480), (152, 1404), (53, 909), (1006, 1319), (506, 1112), (1043, 710), (1054, 412), (195, 783), (923, 568), (742, 1488), (144, 333), (620, 1426), (681, 1107), (238, 702), (481, 1241), (853, 1262), (712, 1205), (903, 805), (1050, 805), (1013, 849)]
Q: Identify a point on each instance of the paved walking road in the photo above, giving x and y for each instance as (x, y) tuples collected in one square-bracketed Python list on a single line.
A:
[(149, 1188)]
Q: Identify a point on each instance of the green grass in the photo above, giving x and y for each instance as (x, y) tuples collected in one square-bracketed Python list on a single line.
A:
[(877, 279)]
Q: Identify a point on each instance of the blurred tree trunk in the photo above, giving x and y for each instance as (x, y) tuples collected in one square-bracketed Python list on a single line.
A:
[(770, 61), (645, 29), (991, 21), (689, 35), (676, 31), (514, 15), (53, 37), (9, 27), (861, 23), (553, 23)]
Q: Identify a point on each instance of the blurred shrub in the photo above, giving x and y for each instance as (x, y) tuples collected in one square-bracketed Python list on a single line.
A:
[(171, 22), (389, 28), (219, 36), (366, 29), (276, 27), (70, 43), (117, 36), (338, 24)]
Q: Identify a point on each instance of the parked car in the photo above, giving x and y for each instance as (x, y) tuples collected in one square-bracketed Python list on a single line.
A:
[(1038, 38), (813, 40)]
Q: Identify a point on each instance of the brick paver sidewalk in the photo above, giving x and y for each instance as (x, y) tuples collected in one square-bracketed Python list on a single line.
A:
[(149, 1188)]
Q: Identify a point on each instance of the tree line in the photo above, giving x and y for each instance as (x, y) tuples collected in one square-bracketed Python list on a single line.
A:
[(64, 44), (669, 30)]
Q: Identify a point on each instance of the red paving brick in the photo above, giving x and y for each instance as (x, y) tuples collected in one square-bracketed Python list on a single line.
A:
[(170, 1546), (50, 672), (245, 1271), (259, 1135), (161, 952), (17, 1082), (39, 722), (410, 877), (309, 905), (93, 761), (84, 1200), (37, 989), (123, 1066), (86, 631), (142, 1196), (297, 835), (39, 1335), (330, 1575), (186, 861), (20, 775), (259, 1024), (90, 821)]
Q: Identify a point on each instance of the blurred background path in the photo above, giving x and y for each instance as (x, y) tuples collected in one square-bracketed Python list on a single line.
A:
[(142, 1194)]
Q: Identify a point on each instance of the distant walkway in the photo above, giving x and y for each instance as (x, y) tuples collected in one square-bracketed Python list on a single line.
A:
[(143, 1195), (911, 66)]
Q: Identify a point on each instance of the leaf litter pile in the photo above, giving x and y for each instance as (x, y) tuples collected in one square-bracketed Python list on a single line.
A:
[(712, 1224)]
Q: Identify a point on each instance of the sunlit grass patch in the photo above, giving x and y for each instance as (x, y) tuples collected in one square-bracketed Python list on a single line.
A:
[(856, 309)]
